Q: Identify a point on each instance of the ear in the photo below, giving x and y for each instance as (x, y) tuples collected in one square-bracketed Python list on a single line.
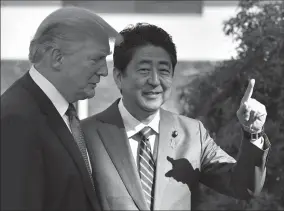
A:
[(56, 58), (117, 76)]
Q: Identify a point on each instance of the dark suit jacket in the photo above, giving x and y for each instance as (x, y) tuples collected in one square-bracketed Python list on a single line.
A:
[(198, 159), (41, 165)]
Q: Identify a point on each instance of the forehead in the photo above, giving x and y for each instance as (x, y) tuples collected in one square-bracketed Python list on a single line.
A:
[(151, 54), (94, 48)]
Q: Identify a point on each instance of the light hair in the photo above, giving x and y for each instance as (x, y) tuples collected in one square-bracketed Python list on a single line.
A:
[(66, 27)]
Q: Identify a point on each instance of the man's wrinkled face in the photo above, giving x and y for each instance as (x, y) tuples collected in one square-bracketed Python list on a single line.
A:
[(82, 70), (146, 83)]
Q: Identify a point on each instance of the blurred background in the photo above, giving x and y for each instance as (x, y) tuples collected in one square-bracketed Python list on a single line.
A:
[(220, 45), (196, 27)]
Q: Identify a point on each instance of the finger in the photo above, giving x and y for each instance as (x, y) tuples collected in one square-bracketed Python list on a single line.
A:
[(252, 117), (256, 128), (247, 115), (169, 173), (246, 111), (241, 111), (251, 120), (249, 91)]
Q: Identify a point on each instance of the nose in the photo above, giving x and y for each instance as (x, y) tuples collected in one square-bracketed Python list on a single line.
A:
[(103, 71), (154, 78)]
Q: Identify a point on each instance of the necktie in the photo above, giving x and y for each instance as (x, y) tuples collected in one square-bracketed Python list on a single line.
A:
[(78, 135), (146, 166)]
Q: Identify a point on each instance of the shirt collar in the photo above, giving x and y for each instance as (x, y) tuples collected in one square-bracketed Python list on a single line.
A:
[(132, 125), (49, 89)]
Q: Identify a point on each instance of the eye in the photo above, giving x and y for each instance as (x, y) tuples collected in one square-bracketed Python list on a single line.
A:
[(144, 70), (165, 71), (98, 59), (94, 60)]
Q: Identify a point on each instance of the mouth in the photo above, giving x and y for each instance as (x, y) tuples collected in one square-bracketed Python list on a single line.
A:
[(93, 84), (152, 94)]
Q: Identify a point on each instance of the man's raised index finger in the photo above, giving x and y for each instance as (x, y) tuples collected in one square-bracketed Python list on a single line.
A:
[(249, 91)]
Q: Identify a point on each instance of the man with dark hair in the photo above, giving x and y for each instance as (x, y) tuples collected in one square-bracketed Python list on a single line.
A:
[(149, 158), (44, 160)]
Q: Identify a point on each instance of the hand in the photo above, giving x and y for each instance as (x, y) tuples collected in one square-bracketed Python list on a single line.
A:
[(251, 114), (182, 171)]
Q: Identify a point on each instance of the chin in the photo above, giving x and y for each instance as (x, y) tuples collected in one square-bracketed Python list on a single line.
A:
[(152, 110), (90, 93), (152, 107)]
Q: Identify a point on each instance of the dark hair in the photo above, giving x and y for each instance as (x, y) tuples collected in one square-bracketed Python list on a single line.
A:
[(141, 34)]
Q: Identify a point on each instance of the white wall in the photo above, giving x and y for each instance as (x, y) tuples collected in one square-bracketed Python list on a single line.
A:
[(18, 25), (196, 37)]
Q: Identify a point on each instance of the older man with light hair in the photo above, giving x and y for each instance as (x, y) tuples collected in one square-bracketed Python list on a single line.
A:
[(44, 158)]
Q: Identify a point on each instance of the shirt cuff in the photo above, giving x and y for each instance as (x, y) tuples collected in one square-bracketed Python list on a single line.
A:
[(258, 142)]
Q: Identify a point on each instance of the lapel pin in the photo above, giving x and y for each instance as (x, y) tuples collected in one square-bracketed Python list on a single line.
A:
[(174, 134)]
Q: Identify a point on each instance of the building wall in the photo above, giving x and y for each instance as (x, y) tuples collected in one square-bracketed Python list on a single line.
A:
[(198, 36)]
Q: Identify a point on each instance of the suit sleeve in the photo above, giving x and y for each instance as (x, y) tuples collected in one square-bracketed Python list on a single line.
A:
[(21, 165), (240, 179)]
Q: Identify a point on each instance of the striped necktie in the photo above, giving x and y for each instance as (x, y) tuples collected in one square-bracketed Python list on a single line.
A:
[(146, 166), (78, 136)]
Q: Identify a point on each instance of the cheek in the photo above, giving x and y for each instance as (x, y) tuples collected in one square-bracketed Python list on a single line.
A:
[(166, 83), (78, 80), (85, 73), (132, 84), (139, 83)]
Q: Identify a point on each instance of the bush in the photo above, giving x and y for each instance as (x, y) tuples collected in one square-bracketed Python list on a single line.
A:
[(258, 28)]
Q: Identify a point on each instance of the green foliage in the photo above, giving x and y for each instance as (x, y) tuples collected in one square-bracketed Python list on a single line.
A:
[(258, 28)]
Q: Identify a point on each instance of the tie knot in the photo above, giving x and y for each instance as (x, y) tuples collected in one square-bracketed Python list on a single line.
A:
[(71, 111), (145, 132)]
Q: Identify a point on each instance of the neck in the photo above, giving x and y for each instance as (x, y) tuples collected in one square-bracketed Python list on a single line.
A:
[(141, 115), (54, 79)]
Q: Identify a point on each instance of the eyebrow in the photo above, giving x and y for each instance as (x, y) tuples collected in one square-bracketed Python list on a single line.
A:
[(145, 61), (101, 54), (150, 62)]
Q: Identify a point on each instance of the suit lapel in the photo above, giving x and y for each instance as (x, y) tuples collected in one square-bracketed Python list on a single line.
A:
[(59, 127), (117, 146), (167, 144)]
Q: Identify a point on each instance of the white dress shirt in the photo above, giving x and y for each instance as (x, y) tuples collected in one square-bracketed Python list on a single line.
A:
[(59, 102), (133, 126), (52, 93)]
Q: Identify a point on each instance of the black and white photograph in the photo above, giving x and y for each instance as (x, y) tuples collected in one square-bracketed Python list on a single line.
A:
[(142, 105)]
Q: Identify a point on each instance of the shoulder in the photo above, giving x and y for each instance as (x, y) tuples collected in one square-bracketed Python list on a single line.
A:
[(183, 121), (92, 122), (17, 101), (18, 113)]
